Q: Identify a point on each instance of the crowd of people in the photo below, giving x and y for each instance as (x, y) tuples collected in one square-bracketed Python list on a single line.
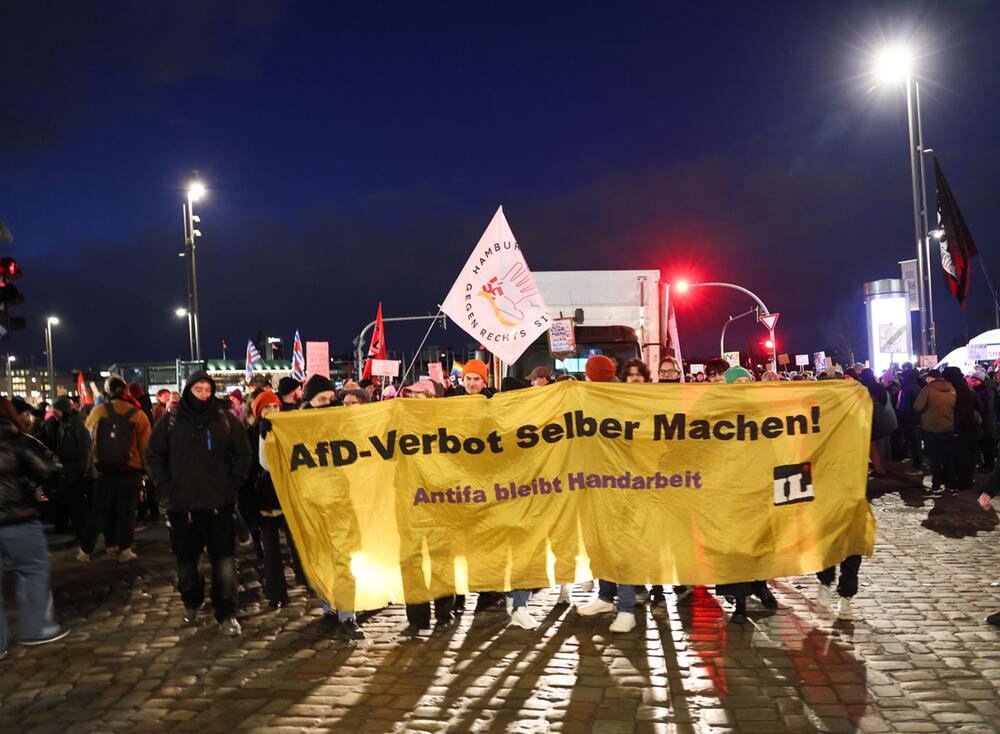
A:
[(195, 461)]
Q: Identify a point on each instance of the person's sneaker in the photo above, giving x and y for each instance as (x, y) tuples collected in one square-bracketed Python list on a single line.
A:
[(994, 619), (588, 586), (82, 556), (128, 555), (523, 619), (509, 603), (739, 615), (824, 596), (45, 640), (230, 627), (348, 630), (624, 622), (112, 551), (190, 617), (565, 594), (845, 612), (443, 623), (597, 606)]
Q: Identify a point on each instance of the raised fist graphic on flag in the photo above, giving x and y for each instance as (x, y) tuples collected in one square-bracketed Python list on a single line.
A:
[(506, 294)]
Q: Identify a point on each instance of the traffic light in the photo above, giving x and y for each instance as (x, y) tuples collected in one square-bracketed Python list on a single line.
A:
[(9, 296)]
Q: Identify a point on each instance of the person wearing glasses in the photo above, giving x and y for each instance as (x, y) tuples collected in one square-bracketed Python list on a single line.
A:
[(669, 370)]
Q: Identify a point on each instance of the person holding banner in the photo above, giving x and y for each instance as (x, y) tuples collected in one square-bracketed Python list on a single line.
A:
[(739, 592), (318, 393), (412, 538), (600, 368)]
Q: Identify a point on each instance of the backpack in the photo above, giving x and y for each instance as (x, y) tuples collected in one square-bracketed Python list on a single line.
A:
[(113, 438)]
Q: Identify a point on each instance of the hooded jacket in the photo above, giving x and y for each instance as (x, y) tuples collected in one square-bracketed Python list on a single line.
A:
[(936, 406), (140, 431), (198, 455), (25, 463)]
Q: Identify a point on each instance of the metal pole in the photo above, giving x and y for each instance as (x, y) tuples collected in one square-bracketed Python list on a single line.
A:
[(187, 272), (722, 339), (360, 353), (741, 289), (932, 326), (10, 376), (918, 236), (52, 368), (406, 374), (196, 317)]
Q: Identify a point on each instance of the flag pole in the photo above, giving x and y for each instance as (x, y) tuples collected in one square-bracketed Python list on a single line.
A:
[(993, 290), (416, 354)]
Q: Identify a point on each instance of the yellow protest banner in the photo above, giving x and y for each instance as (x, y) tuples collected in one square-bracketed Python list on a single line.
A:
[(636, 483)]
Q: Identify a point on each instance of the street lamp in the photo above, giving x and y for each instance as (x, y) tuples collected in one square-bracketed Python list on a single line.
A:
[(10, 375), (894, 64), (183, 313), (195, 192), (49, 323), (683, 285)]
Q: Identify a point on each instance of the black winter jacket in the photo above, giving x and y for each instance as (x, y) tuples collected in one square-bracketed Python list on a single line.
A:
[(198, 463), (25, 464)]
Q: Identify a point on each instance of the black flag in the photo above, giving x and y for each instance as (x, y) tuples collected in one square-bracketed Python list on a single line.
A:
[(957, 246)]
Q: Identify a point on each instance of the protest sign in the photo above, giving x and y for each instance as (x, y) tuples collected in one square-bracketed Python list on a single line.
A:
[(495, 298), (801, 360), (732, 357), (413, 499), (317, 359), (562, 338), (385, 367)]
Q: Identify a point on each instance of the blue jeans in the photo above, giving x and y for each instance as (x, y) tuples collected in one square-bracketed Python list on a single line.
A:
[(607, 590), (23, 544), (520, 597)]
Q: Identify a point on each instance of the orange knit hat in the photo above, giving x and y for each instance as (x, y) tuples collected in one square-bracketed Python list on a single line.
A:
[(476, 367)]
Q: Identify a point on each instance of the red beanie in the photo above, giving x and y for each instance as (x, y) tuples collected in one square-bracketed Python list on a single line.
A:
[(476, 367), (263, 400), (600, 369)]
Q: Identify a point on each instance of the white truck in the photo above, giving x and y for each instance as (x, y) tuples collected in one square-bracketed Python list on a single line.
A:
[(621, 313)]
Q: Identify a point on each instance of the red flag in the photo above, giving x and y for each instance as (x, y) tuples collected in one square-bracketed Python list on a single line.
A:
[(81, 389), (376, 349)]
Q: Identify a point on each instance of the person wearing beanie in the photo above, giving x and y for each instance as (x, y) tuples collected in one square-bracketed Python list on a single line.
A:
[(741, 590), (259, 503), (264, 400), (290, 392), (600, 368), (198, 458), (319, 392), (113, 424), (737, 374)]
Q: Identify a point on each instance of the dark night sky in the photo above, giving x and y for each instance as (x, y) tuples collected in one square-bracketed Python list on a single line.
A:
[(356, 151)]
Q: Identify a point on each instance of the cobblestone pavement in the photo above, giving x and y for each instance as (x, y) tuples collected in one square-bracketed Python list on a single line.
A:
[(918, 659)]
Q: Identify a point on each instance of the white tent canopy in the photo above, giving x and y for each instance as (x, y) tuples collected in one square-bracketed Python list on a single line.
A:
[(985, 347)]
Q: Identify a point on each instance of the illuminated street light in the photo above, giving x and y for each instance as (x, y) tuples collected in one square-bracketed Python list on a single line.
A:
[(893, 64), (196, 190), (181, 313), (49, 323)]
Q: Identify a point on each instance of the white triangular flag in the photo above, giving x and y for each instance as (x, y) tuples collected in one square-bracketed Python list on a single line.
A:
[(495, 298)]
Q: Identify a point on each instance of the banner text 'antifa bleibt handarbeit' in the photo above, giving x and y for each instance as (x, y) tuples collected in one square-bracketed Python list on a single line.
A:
[(650, 483)]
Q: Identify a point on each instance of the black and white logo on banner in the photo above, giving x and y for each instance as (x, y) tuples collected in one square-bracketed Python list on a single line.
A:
[(793, 483)]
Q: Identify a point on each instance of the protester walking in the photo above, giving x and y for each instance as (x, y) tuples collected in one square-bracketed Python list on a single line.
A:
[(968, 430), (25, 464), (936, 407), (120, 432), (197, 459)]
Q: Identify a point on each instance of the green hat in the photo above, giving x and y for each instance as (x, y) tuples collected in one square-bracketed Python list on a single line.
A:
[(63, 404), (734, 373)]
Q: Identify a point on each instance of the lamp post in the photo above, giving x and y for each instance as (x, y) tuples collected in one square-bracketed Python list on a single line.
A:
[(196, 191), (894, 65), (184, 313), (49, 323), (683, 286), (10, 375)]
